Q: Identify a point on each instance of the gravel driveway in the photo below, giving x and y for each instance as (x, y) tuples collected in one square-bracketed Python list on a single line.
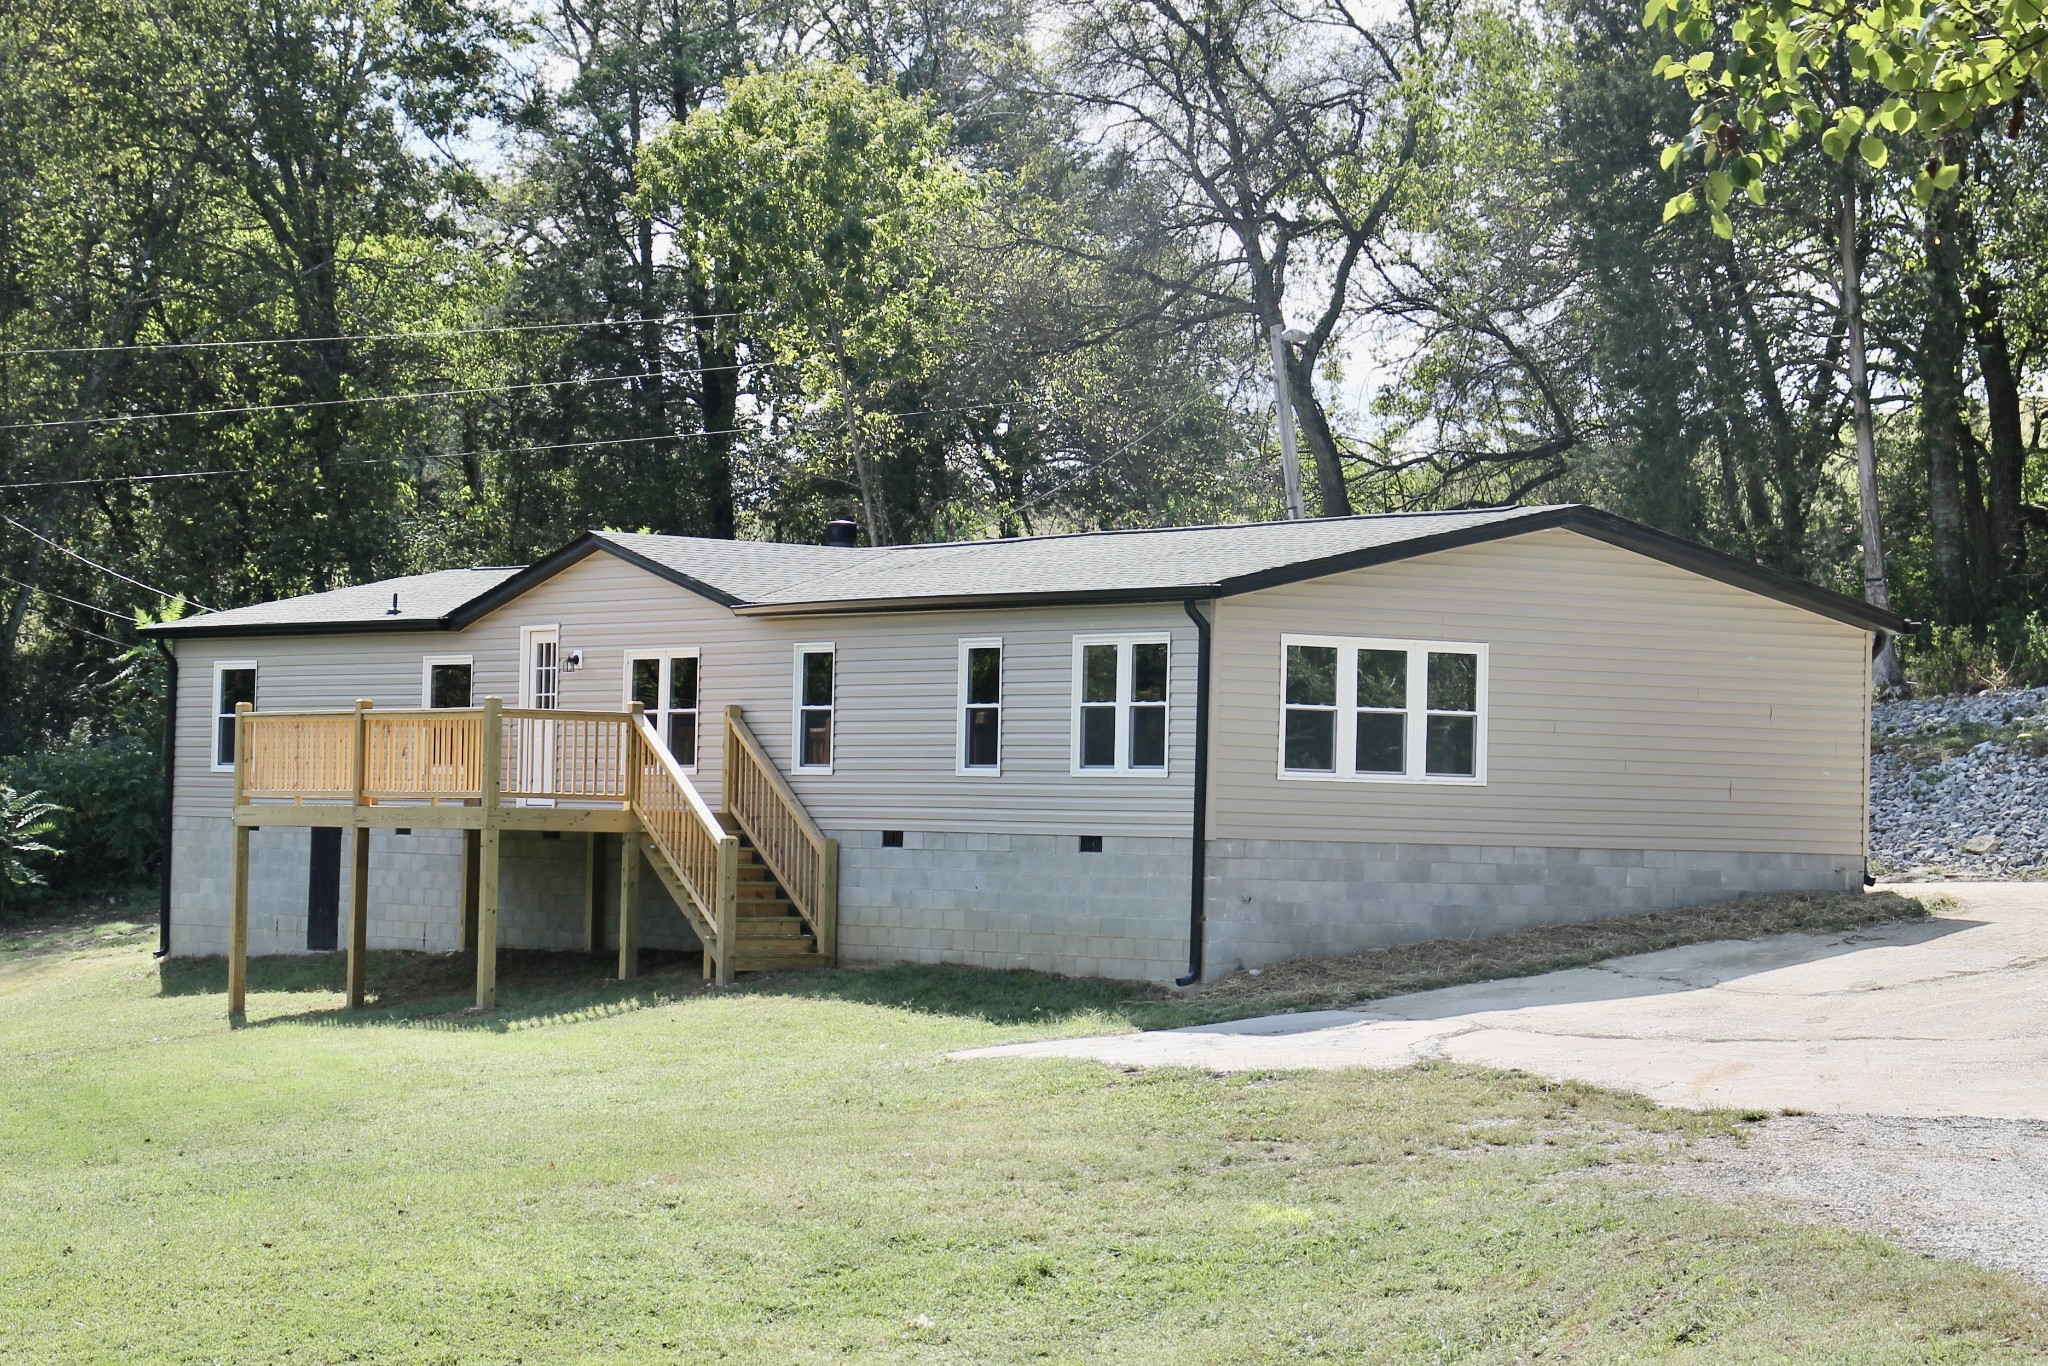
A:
[(1919, 1052), (1976, 1189)]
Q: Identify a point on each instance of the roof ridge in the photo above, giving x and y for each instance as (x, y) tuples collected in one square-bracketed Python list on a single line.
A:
[(879, 550), (1226, 526)]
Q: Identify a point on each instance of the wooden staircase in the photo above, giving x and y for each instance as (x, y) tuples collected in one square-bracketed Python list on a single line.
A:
[(758, 881), (772, 935)]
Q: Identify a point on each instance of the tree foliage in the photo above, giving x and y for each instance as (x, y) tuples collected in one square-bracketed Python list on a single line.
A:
[(296, 293)]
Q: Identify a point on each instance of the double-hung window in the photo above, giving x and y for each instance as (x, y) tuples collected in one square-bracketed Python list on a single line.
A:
[(234, 682), (445, 680), (1382, 710), (814, 706), (981, 706), (665, 684), (1120, 702)]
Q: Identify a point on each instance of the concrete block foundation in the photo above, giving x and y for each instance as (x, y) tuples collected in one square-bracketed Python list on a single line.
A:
[(1272, 900), (1009, 901)]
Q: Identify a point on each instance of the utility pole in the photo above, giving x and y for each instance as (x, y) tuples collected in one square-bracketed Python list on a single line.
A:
[(1283, 405), (1887, 675)]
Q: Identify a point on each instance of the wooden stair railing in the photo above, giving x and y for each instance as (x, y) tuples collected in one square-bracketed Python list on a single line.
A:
[(694, 854), (799, 855)]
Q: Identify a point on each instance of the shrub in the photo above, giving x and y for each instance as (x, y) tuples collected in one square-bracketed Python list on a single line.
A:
[(25, 818), (110, 796), (2012, 653)]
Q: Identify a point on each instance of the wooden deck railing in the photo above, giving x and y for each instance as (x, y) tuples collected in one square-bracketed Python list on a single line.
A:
[(423, 755), (803, 860), (295, 754), (687, 835), (438, 755), (566, 755)]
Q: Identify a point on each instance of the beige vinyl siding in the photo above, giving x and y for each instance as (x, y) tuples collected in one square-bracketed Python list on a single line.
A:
[(897, 698), (1631, 705), (293, 673)]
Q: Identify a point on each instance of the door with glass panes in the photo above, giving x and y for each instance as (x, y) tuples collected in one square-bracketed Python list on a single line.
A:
[(540, 689), (665, 683)]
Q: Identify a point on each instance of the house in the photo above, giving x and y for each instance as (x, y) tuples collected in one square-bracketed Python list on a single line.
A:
[(1156, 754)]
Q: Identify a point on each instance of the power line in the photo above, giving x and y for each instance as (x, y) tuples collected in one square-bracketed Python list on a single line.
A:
[(364, 398), (66, 550), (49, 593), (363, 336), (122, 479), (463, 455), (117, 644)]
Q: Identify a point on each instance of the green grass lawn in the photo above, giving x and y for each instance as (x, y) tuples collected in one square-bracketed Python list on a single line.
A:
[(792, 1172)]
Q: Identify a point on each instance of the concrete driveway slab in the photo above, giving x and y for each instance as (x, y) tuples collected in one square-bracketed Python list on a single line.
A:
[(1927, 1019)]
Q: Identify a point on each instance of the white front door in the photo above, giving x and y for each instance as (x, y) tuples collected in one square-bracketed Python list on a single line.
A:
[(540, 689)]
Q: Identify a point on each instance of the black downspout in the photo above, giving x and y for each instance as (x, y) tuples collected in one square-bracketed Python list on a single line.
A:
[(1198, 869), (163, 920)]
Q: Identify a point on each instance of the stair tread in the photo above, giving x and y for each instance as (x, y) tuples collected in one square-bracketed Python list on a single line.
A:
[(773, 931), (778, 962)]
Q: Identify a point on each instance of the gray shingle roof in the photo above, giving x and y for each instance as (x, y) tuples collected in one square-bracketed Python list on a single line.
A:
[(1091, 564), (424, 603), (773, 578)]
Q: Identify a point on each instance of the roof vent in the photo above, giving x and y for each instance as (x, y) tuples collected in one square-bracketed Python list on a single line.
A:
[(394, 606), (842, 531)]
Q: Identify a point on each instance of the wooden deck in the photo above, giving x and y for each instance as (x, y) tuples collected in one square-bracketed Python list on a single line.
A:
[(758, 881)]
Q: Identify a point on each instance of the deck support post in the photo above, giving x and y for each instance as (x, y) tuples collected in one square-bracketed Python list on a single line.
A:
[(487, 857), (593, 895), (238, 925), (629, 905), (358, 916), (828, 902), (726, 912), (359, 868), (238, 877)]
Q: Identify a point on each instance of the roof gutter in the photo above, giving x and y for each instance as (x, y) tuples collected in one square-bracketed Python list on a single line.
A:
[(953, 602), (163, 914), (1198, 862)]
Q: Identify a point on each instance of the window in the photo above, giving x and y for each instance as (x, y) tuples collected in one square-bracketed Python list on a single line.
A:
[(981, 706), (444, 680), (814, 681), (664, 683), (1120, 704), (1382, 710), (234, 682)]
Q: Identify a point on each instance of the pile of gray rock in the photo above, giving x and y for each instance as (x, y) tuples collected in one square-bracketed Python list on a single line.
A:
[(1981, 813)]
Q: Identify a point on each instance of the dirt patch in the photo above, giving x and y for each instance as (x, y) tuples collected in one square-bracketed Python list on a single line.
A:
[(1974, 1189), (1321, 983)]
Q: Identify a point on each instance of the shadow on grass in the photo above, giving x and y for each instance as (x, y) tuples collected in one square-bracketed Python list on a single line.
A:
[(105, 919), (993, 995), (438, 991)]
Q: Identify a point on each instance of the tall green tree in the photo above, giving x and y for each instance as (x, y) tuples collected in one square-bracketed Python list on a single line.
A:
[(824, 200)]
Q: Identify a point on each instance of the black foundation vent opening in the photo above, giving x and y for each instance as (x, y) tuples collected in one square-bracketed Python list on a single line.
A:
[(892, 839), (1091, 844)]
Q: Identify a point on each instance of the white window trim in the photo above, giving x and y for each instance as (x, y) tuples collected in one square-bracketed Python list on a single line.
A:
[(221, 666), (428, 663), (1415, 746), (1124, 657), (526, 635), (796, 707), (661, 684), (960, 764)]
